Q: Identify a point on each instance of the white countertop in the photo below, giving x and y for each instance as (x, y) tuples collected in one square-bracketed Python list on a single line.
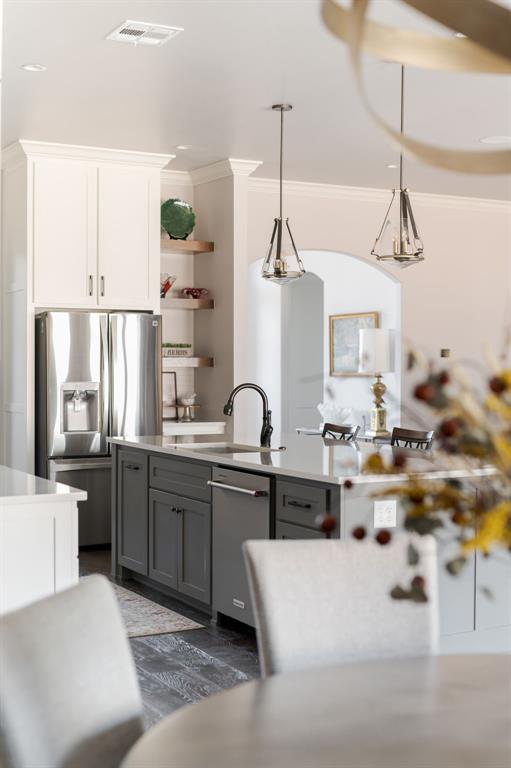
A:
[(20, 488), (308, 458)]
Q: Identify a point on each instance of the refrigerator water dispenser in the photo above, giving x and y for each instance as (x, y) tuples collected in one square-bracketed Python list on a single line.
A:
[(80, 408)]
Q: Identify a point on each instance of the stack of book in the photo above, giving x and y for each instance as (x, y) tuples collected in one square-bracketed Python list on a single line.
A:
[(176, 350)]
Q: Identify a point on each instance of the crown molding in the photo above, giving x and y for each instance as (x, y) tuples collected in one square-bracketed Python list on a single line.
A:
[(45, 149), (374, 195), (229, 167), (178, 178)]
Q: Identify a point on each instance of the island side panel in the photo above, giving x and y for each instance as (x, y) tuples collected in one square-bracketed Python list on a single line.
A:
[(461, 628)]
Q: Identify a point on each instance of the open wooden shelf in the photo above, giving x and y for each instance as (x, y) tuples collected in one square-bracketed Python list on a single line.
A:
[(169, 363), (186, 246), (187, 303), (169, 404)]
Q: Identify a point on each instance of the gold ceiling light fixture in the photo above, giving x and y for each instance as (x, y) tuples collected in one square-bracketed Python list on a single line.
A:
[(282, 262), (407, 247)]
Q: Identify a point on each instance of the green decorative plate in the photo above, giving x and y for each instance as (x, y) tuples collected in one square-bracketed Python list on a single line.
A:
[(177, 218)]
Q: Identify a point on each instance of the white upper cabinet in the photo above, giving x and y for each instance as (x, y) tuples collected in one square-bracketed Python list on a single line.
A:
[(128, 237), (92, 225), (64, 238)]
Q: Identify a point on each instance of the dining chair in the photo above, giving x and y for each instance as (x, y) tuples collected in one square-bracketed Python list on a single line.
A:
[(345, 432), (328, 602), (412, 438), (69, 696)]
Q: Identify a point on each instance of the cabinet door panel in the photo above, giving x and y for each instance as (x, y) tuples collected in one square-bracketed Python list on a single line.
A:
[(64, 233), (126, 244), (195, 549), (163, 538), (132, 513), (290, 531), (493, 592)]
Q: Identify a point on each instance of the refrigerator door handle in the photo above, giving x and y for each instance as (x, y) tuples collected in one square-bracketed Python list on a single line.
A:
[(105, 380)]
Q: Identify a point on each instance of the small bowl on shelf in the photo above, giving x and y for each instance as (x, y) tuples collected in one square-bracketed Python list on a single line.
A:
[(194, 293), (188, 398)]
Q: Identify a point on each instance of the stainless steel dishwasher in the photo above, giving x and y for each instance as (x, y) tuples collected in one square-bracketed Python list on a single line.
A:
[(240, 511)]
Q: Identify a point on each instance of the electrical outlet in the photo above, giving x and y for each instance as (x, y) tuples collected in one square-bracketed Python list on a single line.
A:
[(385, 513)]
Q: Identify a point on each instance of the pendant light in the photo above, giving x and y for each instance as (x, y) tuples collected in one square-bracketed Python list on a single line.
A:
[(282, 263), (406, 249)]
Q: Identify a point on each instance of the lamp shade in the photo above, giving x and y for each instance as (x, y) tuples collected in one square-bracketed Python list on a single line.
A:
[(376, 347)]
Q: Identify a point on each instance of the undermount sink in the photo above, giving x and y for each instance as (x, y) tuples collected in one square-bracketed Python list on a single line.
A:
[(220, 448)]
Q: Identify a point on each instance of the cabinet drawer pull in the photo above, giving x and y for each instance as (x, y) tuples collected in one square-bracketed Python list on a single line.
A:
[(132, 466), (300, 504), (102, 285), (91, 286), (236, 489), (175, 509)]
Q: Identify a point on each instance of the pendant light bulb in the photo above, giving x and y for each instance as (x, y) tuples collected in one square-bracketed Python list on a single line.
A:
[(406, 248), (282, 262)]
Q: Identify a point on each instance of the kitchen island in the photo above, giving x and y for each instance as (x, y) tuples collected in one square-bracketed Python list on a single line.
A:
[(38, 538), (181, 511)]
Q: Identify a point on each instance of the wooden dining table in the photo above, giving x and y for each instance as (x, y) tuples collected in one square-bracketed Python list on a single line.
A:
[(435, 712)]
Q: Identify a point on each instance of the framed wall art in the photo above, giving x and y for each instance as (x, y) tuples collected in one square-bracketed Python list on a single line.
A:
[(344, 344)]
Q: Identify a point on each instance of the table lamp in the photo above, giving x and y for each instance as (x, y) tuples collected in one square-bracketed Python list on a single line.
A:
[(376, 347)]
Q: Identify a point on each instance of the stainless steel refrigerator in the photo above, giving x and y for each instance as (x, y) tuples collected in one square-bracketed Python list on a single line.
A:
[(98, 374)]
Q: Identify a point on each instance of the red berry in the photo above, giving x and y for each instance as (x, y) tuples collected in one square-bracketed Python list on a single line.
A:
[(348, 484), (497, 385), (359, 532), (425, 392), (399, 460), (449, 427), (383, 537), (443, 377), (327, 523), (418, 582)]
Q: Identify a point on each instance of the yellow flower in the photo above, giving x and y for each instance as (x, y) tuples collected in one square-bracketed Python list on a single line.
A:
[(503, 448), (494, 528), (498, 406), (374, 464)]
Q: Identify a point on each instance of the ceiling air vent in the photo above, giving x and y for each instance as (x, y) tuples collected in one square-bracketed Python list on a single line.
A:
[(142, 33)]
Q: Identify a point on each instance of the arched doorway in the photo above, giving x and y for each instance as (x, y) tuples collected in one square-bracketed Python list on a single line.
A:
[(288, 340)]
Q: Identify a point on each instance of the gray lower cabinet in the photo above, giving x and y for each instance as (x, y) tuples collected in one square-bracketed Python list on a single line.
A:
[(300, 504), (180, 544), (132, 511), (185, 478), (290, 531), (163, 538)]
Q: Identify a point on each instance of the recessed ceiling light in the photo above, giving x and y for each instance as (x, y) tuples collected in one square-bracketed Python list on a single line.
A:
[(496, 140), (143, 33), (33, 67), (460, 34), (392, 165), (184, 146)]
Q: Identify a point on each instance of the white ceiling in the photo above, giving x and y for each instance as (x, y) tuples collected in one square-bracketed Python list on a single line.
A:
[(212, 86)]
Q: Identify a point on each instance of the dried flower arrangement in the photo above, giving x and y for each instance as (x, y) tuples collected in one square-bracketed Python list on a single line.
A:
[(473, 427)]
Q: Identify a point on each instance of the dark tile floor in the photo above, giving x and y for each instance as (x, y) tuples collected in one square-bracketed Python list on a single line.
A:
[(183, 667)]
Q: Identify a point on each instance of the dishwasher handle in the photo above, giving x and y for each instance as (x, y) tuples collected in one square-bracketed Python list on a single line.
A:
[(236, 489)]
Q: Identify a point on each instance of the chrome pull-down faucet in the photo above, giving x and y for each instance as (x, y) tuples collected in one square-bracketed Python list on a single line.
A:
[(267, 428)]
